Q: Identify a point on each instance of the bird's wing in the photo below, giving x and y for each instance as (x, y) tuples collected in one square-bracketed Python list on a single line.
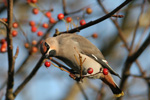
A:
[(87, 48), (104, 63)]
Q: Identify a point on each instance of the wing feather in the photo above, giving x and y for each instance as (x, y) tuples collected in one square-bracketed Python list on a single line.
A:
[(87, 48)]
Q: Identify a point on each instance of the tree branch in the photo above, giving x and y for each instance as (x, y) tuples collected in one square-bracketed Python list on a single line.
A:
[(29, 77), (136, 27), (139, 51), (130, 60), (10, 82), (82, 90), (68, 13), (124, 41), (6, 25), (97, 20)]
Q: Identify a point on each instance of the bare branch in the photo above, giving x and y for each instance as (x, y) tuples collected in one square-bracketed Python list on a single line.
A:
[(10, 82), (77, 29), (118, 16), (29, 77), (139, 76), (126, 45), (101, 93), (68, 13), (82, 90), (16, 54), (4, 22), (60, 65), (139, 51), (136, 27), (24, 34)]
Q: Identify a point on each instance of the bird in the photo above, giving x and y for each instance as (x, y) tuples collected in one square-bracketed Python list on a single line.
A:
[(69, 48)]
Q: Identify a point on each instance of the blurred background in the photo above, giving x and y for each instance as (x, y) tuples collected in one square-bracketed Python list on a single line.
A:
[(52, 83)]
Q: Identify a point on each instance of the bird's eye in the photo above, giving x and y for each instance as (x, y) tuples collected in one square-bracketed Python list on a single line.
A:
[(44, 48), (47, 45)]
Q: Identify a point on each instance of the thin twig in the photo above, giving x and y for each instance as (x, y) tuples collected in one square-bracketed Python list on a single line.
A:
[(69, 13), (101, 93), (82, 90), (24, 34), (17, 52), (118, 16), (140, 40), (133, 57), (4, 22), (136, 27), (64, 7), (60, 65), (61, 68), (139, 76)]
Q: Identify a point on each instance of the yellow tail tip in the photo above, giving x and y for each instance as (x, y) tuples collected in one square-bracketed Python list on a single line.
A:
[(119, 95)]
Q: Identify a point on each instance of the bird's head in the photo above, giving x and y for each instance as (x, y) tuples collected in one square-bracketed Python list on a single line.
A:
[(49, 47)]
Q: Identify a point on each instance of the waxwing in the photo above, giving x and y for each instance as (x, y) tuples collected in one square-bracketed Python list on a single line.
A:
[(73, 50)]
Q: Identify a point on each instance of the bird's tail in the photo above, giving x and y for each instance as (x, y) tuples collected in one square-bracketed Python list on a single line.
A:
[(113, 86)]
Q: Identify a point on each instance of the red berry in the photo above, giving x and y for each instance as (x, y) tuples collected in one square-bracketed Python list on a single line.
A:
[(32, 23), (52, 20), (26, 45), (33, 29), (105, 71), (47, 64), (3, 41), (40, 33), (88, 10), (68, 19), (48, 14), (34, 42), (28, 1), (15, 25), (14, 33), (34, 1), (41, 41), (3, 49), (90, 70), (35, 11), (34, 49), (60, 16), (45, 25), (4, 45), (82, 22), (94, 35), (4, 19)]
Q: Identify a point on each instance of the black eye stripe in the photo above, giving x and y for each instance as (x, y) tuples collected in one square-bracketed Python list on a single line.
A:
[(47, 45)]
